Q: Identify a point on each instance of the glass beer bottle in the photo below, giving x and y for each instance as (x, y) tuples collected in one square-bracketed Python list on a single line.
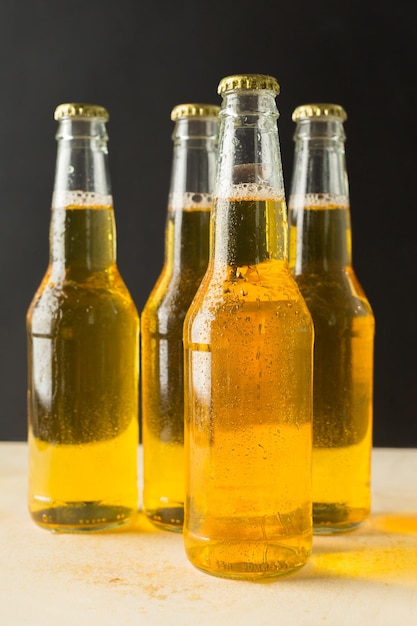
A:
[(83, 335), (248, 343), (321, 261), (186, 256)]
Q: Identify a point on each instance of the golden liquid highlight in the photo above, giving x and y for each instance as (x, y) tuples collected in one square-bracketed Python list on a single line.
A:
[(87, 487), (252, 519), (83, 381)]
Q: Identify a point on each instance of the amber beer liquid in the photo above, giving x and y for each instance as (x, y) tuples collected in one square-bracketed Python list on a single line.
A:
[(186, 256), (83, 373), (162, 386), (320, 256), (248, 341)]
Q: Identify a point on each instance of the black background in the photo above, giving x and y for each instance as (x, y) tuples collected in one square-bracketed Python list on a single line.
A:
[(141, 59)]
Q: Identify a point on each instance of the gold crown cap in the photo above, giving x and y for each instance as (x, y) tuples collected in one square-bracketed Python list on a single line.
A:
[(324, 109), (248, 81), (80, 109), (194, 109)]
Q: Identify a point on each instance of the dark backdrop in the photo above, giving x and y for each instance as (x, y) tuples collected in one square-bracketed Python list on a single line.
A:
[(139, 60)]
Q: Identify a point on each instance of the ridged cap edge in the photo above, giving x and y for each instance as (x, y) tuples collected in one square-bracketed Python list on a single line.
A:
[(248, 81), (324, 109), (194, 109), (80, 109)]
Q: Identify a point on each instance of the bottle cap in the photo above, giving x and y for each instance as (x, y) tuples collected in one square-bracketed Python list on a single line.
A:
[(194, 109), (248, 81), (319, 110), (80, 109)]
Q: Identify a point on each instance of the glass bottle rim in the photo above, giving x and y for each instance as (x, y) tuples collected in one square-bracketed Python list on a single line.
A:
[(80, 110), (322, 109), (248, 82), (194, 109)]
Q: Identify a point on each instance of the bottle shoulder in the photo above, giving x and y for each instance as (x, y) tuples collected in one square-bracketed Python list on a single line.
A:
[(101, 290), (269, 280), (336, 292), (268, 287), (172, 292)]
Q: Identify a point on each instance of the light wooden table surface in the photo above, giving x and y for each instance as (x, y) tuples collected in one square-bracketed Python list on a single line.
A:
[(142, 576)]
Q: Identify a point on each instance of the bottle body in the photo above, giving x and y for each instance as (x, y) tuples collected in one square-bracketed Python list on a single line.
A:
[(320, 256), (186, 258), (162, 376), (248, 341), (82, 328)]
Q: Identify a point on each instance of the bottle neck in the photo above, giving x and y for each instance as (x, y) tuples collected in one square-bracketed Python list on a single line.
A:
[(319, 214), (190, 194), (250, 221), (82, 233)]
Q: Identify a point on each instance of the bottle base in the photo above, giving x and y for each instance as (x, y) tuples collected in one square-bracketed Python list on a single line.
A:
[(263, 561), (83, 517), (336, 518), (169, 518), (250, 576)]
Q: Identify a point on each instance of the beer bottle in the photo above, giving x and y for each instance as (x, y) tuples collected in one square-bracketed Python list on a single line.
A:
[(321, 261), (83, 333), (248, 342), (186, 256)]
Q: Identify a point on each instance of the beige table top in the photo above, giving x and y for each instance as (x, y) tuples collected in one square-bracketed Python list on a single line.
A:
[(142, 576)]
